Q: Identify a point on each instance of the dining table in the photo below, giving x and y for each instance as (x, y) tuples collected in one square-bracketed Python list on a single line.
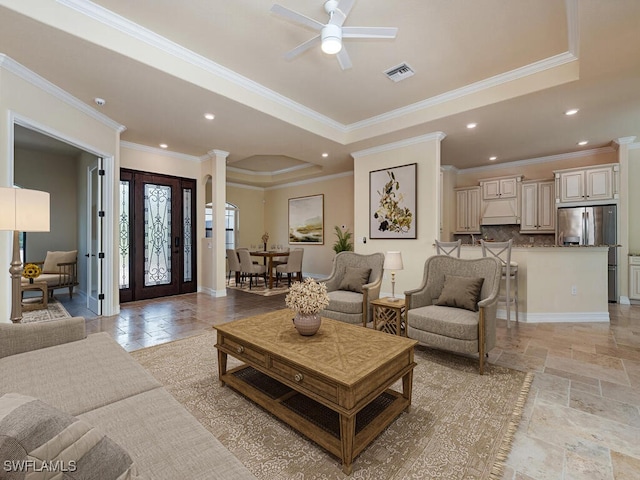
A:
[(268, 256)]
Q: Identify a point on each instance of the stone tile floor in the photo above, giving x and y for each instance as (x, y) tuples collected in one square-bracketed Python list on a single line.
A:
[(582, 416)]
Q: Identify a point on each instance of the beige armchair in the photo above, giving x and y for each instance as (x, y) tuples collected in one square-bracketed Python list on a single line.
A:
[(59, 270), (455, 307), (354, 282)]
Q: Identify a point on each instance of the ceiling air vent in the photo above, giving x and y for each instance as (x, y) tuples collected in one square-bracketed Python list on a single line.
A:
[(399, 72)]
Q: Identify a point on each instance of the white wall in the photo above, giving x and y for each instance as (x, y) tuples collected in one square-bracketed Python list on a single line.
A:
[(34, 102), (425, 151)]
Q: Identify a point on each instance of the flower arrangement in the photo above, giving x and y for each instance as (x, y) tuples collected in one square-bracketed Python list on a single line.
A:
[(31, 271), (308, 297)]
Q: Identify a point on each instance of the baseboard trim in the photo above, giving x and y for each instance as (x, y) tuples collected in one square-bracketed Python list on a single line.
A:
[(213, 293), (557, 317)]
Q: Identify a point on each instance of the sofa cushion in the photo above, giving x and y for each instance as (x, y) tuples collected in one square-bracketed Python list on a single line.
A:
[(345, 301), (354, 278), (54, 258), (446, 321), (52, 279), (460, 292), (33, 431), (59, 375), (164, 440)]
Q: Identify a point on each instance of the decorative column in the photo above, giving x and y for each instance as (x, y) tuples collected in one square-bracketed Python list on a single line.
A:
[(623, 219), (218, 200)]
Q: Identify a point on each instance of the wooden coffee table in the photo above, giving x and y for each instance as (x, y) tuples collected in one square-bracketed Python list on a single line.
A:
[(332, 387)]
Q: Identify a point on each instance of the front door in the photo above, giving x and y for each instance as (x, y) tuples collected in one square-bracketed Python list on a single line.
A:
[(161, 257)]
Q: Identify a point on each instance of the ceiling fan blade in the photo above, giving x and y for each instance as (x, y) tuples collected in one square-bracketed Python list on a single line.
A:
[(369, 32), (303, 47), (296, 17), (343, 59), (341, 12)]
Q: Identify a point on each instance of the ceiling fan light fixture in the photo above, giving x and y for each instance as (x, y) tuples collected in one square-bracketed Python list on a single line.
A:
[(331, 39)]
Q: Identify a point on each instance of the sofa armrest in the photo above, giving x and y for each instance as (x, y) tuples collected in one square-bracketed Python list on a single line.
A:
[(18, 337), (419, 297)]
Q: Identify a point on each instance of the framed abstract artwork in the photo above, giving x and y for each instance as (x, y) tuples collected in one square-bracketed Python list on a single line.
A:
[(392, 202), (306, 220)]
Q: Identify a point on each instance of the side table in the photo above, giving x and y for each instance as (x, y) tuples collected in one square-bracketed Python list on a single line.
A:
[(388, 316), (33, 303)]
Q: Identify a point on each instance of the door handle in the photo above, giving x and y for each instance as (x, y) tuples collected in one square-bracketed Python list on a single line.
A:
[(177, 242)]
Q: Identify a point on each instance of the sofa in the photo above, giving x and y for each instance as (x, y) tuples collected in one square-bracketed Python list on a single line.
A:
[(93, 382)]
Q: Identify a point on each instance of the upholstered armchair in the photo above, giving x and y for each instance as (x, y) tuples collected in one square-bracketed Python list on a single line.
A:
[(354, 282), (455, 307), (59, 270)]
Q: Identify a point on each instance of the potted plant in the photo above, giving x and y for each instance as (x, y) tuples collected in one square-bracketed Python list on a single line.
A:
[(343, 243), (307, 299)]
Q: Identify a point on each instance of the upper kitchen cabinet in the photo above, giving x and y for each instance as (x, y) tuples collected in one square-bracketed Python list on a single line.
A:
[(538, 207), (467, 210), (592, 184), (499, 188), (500, 200)]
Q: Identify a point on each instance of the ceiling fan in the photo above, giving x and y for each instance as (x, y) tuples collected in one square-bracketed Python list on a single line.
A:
[(332, 33)]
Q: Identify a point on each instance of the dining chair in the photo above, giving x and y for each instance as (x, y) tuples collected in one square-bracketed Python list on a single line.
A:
[(293, 266), (234, 265), (502, 251), (448, 248), (247, 267)]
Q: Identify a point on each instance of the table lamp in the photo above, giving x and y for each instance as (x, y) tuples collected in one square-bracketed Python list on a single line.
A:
[(21, 210), (393, 262)]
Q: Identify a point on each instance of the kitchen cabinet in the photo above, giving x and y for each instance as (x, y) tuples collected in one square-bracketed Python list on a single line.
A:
[(500, 188), (468, 210), (538, 213), (591, 184), (634, 278), (500, 200)]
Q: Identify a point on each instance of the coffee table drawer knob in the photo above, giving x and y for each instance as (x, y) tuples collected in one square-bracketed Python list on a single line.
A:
[(298, 377), (240, 349)]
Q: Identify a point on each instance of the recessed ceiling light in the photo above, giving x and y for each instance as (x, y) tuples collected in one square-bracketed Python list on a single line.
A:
[(492, 158), (472, 125), (209, 116), (325, 155), (164, 145), (582, 142), (572, 111)]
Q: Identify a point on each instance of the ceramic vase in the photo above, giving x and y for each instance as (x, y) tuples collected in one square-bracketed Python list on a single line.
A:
[(307, 325)]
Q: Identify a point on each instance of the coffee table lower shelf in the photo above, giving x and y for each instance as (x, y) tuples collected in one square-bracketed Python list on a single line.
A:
[(316, 421)]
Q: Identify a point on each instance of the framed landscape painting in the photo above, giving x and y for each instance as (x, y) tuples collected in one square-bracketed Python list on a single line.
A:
[(306, 220), (392, 202)]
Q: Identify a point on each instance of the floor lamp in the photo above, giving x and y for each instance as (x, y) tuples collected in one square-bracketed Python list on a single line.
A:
[(21, 210)]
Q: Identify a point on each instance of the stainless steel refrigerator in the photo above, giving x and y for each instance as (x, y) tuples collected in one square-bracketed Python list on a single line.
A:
[(591, 226)]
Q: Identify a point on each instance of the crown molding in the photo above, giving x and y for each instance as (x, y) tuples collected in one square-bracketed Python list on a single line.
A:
[(402, 143), (634, 146), (476, 87), (531, 161), (311, 180), (246, 187), (159, 151), (36, 80), (275, 172), (133, 30), (625, 140)]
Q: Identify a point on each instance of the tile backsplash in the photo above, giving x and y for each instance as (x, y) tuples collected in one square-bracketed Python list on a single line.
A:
[(502, 233)]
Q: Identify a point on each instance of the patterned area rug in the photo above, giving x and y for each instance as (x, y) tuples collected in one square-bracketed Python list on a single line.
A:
[(260, 289), (54, 310), (460, 425)]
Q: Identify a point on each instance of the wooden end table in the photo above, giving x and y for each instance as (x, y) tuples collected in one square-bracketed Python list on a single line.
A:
[(29, 306), (389, 315)]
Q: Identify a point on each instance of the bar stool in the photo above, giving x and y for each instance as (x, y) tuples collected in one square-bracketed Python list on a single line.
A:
[(448, 248), (502, 251)]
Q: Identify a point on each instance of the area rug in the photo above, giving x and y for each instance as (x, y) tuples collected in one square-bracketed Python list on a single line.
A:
[(260, 289), (460, 425), (53, 311)]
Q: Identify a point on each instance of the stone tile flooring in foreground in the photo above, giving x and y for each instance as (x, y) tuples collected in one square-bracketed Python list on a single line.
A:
[(582, 417)]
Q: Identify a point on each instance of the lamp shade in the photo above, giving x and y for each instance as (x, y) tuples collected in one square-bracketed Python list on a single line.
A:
[(24, 210), (393, 261)]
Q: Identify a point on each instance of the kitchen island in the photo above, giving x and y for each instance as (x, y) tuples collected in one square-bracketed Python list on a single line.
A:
[(558, 284)]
